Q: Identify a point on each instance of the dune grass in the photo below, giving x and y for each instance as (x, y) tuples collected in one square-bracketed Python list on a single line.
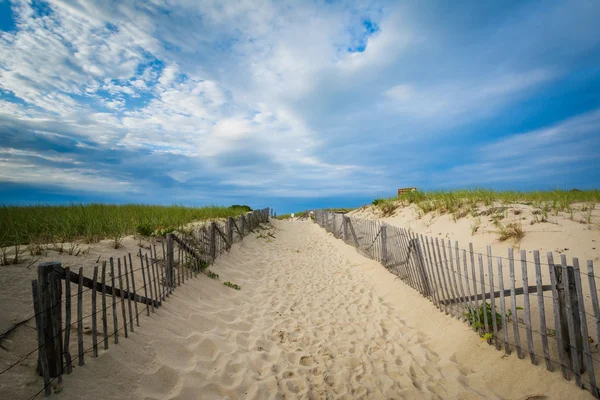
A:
[(461, 202), (43, 224)]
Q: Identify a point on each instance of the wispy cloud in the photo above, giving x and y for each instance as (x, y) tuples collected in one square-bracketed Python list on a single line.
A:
[(215, 99)]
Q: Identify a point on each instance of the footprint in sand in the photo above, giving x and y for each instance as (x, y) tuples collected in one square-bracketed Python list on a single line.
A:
[(307, 361)]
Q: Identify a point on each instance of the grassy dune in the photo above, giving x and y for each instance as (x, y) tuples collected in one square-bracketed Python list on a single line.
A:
[(461, 201), (42, 224)]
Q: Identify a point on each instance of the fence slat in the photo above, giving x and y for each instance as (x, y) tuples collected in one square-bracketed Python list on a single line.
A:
[(503, 307), (80, 318), (438, 284), (152, 298), (584, 330), (467, 284), (513, 303), (429, 267), (122, 297), (452, 273), (460, 280), (401, 249), (66, 351), (441, 269), (594, 292), (161, 274), (420, 259), (570, 320), (126, 272), (492, 296), (154, 272), (527, 307), (104, 320), (213, 239), (114, 302), (137, 314), (179, 265), (450, 277), (164, 273), (148, 300), (94, 319), (184, 274), (474, 276), (421, 283), (383, 248), (557, 319), (155, 269), (43, 360), (482, 284), (409, 270), (542, 309), (50, 299)]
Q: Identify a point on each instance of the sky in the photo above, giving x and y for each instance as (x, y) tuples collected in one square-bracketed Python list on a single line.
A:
[(294, 104)]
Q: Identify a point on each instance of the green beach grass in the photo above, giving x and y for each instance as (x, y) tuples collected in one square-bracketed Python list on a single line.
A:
[(89, 223), (457, 201)]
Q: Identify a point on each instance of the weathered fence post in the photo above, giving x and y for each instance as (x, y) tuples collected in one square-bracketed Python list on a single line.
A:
[(345, 224), (383, 238), (242, 227), (572, 342), (250, 222), (230, 230), (333, 226), (170, 259), (50, 293), (421, 262), (213, 240)]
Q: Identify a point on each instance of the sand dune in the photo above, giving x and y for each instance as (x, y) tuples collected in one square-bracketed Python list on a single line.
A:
[(313, 320)]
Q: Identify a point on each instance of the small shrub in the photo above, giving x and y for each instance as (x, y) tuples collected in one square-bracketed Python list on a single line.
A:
[(587, 213), (144, 229), (240, 207), (571, 212), (212, 275), (475, 223), (474, 314), (232, 285), (202, 265), (117, 239), (426, 206), (387, 208), (487, 337), (545, 209), (513, 230)]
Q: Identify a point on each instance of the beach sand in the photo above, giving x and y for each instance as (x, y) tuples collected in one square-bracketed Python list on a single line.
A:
[(313, 319)]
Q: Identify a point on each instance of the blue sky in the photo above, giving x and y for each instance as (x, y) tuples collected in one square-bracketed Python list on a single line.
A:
[(294, 104)]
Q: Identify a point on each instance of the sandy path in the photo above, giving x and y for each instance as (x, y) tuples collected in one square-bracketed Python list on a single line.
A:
[(313, 320)]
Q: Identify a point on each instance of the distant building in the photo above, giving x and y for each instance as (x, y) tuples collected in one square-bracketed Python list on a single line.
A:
[(404, 190)]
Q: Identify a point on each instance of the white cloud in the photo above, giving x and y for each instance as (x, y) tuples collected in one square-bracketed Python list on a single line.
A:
[(462, 100), (78, 179), (231, 90)]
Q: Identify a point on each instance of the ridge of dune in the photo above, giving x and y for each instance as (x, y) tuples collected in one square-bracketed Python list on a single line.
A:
[(559, 234)]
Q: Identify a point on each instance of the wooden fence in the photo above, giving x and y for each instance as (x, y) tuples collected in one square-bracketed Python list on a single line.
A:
[(120, 289), (559, 324)]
